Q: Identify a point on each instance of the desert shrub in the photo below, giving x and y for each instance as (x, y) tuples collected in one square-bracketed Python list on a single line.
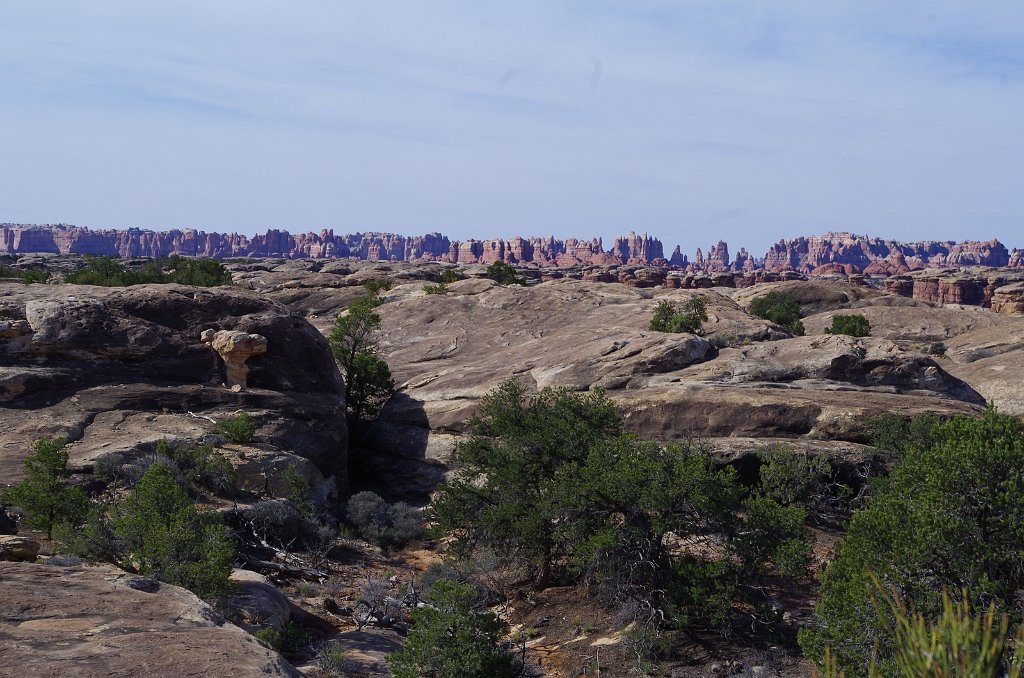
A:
[(688, 317), (196, 271), (948, 515), (129, 467), (93, 540), (368, 381), (308, 590), (270, 637), (200, 465), (976, 354), (504, 273), (726, 340), (794, 479), (959, 642), (439, 288), (239, 428), (450, 275), (109, 272), (163, 535), (384, 524), (46, 495), (452, 637), (64, 561), (893, 435), (300, 494), (549, 482), (275, 522), (780, 308), (937, 348), (850, 325), (379, 285), (381, 602), (331, 659), (27, 276)]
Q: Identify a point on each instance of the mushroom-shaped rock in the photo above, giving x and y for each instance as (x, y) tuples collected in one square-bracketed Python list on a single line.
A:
[(235, 348)]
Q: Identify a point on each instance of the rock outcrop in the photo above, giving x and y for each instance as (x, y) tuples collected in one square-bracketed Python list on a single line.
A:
[(447, 351), (1009, 299), (113, 370), (89, 621), (235, 348), (18, 549)]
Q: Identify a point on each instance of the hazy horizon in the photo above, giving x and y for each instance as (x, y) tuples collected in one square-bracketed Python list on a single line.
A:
[(693, 122)]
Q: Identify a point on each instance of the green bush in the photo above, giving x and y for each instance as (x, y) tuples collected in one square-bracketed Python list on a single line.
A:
[(957, 643), (201, 465), (689, 317), (238, 429), (332, 660), (163, 535), (450, 275), (387, 525), (379, 285), (27, 276), (93, 540), (196, 271), (300, 494), (368, 381), (439, 288), (452, 637), (504, 273), (109, 272), (950, 514), (850, 325), (780, 308), (46, 496), (550, 482)]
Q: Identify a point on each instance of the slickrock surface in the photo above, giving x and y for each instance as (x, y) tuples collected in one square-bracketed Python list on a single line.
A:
[(115, 369), (447, 351), (87, 621)]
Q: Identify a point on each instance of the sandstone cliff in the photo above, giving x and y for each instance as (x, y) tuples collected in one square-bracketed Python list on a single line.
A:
[(828, 254)]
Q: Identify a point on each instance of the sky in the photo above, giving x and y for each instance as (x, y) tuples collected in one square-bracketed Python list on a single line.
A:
[(691, 120)]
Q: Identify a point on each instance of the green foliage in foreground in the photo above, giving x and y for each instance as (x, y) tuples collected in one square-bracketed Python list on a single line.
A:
[(46, 496), (959, 642), (688, 317), (451, 636), (950, 515), (850, 325), (780, 308), (109, 272), (165, 536), (549, 481)]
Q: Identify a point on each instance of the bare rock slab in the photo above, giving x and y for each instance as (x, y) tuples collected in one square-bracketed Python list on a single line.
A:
[(88, 621)]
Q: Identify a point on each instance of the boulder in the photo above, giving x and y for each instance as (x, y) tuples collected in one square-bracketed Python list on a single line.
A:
[(256, 603), (18, 549), (89, 621)]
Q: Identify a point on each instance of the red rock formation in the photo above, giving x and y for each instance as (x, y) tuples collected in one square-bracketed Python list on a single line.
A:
[(718, 258)]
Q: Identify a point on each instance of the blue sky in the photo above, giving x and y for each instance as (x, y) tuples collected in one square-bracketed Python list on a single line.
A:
[(693, 121)]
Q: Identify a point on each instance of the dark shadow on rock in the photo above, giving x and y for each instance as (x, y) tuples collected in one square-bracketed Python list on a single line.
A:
[(392, 458)]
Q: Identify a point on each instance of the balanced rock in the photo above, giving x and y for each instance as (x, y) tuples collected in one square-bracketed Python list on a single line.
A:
[(235, 348)]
